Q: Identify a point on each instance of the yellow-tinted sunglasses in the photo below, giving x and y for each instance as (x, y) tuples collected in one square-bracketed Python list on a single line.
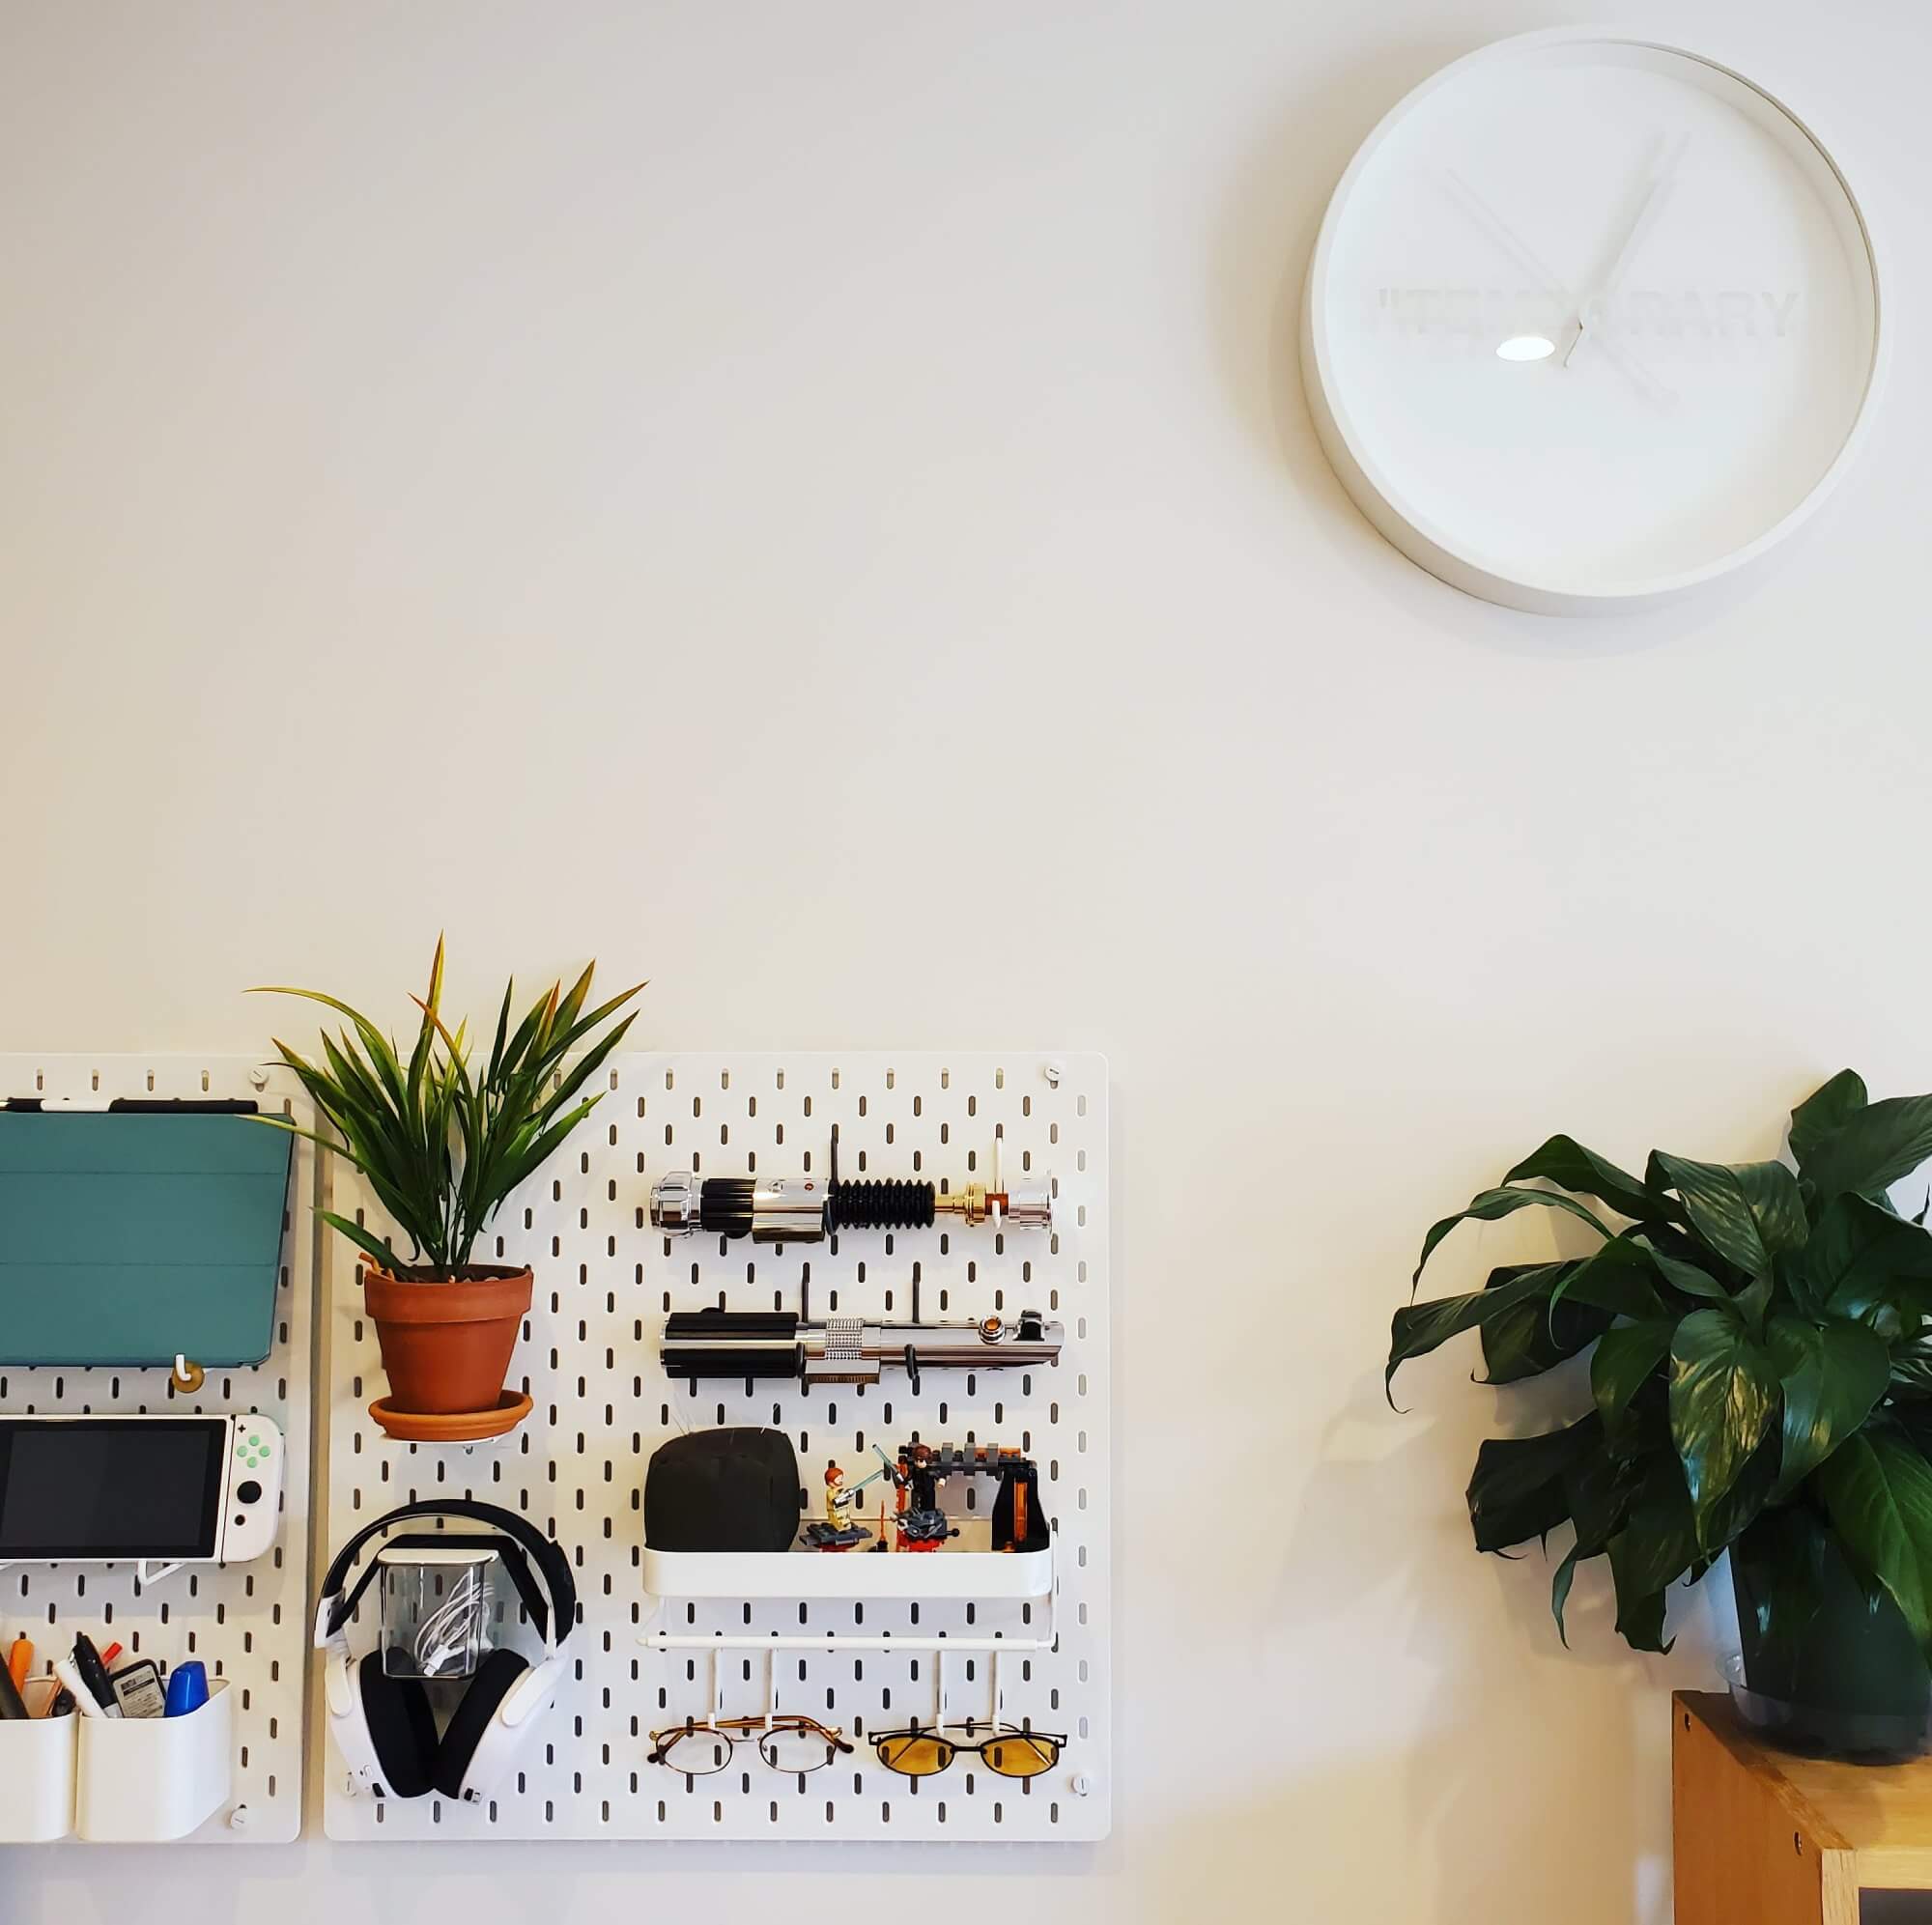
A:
[(1008, 1750)]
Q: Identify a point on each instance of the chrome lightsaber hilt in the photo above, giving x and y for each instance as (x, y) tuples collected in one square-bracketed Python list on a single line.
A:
[(701, 1344), (804, 1210)]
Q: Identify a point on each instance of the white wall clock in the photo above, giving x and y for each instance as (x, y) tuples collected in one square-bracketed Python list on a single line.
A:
[(1590, 322)]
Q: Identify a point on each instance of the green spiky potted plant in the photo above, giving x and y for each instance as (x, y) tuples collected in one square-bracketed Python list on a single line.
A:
[(1760, 1383), (442, 1146)]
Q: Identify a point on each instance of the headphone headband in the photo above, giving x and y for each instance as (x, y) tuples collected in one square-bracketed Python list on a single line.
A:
[(552, 1567)]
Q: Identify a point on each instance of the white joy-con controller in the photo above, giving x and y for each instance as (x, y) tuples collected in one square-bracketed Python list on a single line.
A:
[(251, 1490)]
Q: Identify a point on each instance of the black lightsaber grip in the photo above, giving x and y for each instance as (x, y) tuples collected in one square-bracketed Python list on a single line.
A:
[(724, 1204), (887, 1206), (699, 1344)]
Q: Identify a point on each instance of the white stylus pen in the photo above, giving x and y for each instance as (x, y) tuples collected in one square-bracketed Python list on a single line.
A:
[(85, 1702)]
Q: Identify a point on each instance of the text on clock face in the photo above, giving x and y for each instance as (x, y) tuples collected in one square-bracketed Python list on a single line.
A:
[(1686, 319)]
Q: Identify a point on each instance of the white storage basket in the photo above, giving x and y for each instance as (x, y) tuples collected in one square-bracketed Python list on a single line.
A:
[(148, 1779), (36, 1765)]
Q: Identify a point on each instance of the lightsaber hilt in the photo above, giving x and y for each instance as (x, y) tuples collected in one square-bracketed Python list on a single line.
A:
[(757, 1343), (803, 1209)]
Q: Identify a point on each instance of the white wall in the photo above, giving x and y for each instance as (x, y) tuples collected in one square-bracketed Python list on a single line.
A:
[(815, 504)]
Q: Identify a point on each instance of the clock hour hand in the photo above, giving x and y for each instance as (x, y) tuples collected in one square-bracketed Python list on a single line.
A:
[(1652, 205)]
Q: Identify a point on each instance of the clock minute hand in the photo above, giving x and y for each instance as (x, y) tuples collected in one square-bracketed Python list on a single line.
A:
[(1646, 216)]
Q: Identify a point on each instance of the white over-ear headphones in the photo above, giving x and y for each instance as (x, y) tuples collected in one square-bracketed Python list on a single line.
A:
[(383, 1726)]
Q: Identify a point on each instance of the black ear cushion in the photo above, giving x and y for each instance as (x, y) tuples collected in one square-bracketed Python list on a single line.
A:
[(488, 1689), (402, 1728)]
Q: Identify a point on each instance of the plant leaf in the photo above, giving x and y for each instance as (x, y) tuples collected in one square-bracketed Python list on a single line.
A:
[(1826, 1110), (1418, 1328), (1877, 1490), (1624, 1359), (1533, 1335), (1656, 1547), (1833, 1379), (1723, 1393), (1872, 1148), (1753, 1301), (1621, 1278), (1860, 1257), (1744, 1211), (364, 1240), (372, 1040), (1490, 1204), (1516, 1491), (1688, 1278), (1564, 1162), (1912, 1372), (580, 1072), (1599, 1487), (573, 1000), (1559, 1592)]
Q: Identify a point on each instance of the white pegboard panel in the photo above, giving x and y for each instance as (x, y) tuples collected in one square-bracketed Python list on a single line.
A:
[(247, 1622), (604, 1283)]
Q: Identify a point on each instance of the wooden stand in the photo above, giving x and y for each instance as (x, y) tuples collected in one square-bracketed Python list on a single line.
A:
[(1782, 1840)]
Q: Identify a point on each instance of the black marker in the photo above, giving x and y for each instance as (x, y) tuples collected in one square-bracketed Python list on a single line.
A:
[(94, 1674)]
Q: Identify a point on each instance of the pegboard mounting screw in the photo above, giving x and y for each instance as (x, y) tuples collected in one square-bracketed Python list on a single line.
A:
[(1083, 1786), (238, 1818), (1053, 1072), (258, 1077)]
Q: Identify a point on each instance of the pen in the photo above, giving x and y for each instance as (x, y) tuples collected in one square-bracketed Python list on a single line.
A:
[(84, 1700), (94, 1675)]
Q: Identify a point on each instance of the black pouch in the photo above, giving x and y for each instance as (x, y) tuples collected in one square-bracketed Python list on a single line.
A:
[(734, 1489)]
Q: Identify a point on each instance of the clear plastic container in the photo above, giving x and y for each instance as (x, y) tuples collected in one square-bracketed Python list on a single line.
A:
[(441, 1609), (1818, 1731)]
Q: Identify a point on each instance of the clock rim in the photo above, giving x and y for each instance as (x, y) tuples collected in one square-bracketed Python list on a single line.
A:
[(1381, 502)]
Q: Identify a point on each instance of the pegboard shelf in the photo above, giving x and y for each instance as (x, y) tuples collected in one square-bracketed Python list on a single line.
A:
[(971, 1571), (247, 1620), (868, 1641)]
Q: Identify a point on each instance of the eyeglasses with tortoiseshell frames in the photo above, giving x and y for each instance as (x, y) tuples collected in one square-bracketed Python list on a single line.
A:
[(788, 1742)]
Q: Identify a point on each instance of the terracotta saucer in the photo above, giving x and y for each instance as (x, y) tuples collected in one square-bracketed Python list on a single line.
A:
[(463, 1427)]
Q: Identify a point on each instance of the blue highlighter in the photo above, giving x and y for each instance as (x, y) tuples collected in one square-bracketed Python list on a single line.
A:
[(187, 1688)]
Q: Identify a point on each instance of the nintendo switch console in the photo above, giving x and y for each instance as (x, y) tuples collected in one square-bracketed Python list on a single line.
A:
[(162, 1491)]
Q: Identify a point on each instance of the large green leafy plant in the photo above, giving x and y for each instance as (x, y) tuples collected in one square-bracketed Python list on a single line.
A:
[(442, 1146), (1760, 1366)]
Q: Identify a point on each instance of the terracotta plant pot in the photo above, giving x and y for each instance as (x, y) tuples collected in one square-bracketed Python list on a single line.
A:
[(447, 1347)]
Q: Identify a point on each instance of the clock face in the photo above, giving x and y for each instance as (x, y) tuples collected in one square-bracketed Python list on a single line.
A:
[(1589, 321)]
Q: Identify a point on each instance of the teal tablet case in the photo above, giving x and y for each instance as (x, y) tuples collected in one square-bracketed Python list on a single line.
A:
[(133, 1238)]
